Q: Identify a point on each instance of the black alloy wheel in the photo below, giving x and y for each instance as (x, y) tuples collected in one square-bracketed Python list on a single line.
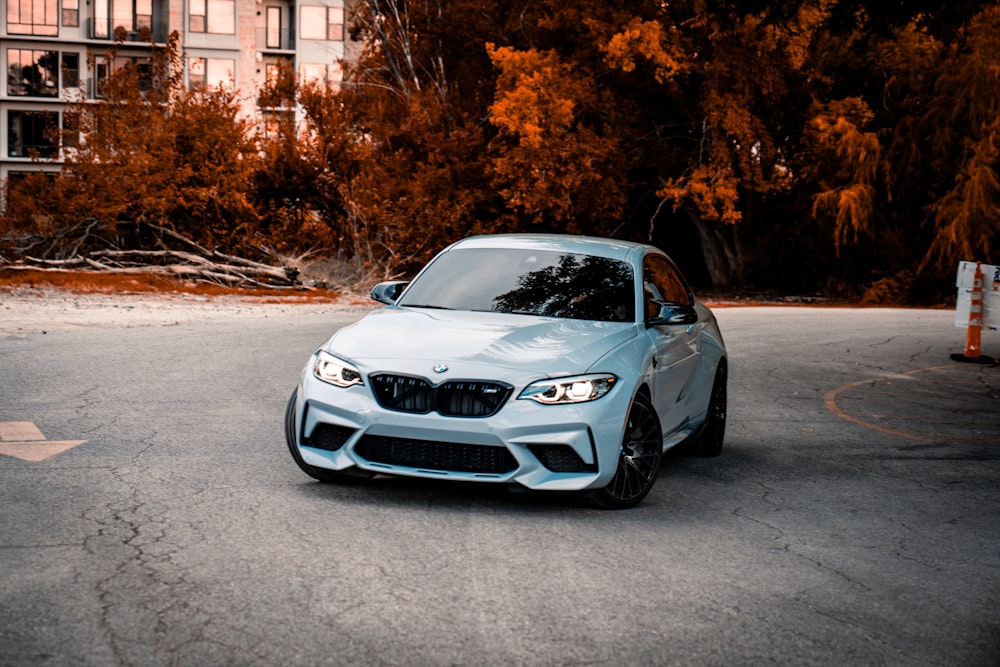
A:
[(709, 441), (321, 474), (639, 460)]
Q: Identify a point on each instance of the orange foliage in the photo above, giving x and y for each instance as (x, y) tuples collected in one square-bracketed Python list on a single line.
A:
[(848, 191), (551, 167), (649, 41), (778, 131)]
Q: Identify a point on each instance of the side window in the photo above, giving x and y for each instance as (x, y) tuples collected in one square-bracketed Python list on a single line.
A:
[(661, 281)]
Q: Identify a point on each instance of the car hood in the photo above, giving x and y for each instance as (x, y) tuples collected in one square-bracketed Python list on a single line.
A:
[(413, 341)]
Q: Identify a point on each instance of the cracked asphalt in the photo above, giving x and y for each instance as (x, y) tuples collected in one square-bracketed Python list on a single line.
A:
[(853, 517)]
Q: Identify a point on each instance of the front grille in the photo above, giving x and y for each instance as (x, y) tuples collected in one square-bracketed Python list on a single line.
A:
[(456, 398), (560, 458), (431, 455), (329, 437), (402, 393), (471, 399)]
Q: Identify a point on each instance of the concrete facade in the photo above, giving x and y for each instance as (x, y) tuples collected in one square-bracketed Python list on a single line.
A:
[(45, 44)]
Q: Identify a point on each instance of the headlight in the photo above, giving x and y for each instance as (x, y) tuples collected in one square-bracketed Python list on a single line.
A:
[(329, 368), (579, 389)]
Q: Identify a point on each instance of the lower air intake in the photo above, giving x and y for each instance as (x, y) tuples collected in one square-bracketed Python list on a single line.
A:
[(560, 458), (328, 437), (430, 455)]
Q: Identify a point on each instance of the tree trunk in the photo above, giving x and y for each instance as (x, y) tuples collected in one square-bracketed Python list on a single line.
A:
[(719, 249)]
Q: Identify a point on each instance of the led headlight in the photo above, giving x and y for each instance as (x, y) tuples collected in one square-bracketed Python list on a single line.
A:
[(578, 389), (329, 368)]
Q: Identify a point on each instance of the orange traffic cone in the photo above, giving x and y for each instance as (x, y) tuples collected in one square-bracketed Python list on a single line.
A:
[(973, 335)]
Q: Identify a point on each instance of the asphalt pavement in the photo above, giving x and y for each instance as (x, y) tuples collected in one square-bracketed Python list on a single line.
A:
[(150, 515)]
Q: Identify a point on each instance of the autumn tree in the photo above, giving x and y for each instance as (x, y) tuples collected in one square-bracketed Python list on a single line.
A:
[(402, 166), (916, 136), (808, 109), (556, 166), (736, 80), (298, 212), (962, 123), (844, 145)]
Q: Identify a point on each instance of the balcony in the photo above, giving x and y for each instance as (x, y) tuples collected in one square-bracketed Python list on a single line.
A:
[(128, 31), (271, 39)]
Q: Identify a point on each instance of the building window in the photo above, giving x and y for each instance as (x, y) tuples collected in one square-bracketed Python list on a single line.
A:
[(32, 73), (273, 74), (212, 16), (273, 27), (322, 23), (312, 73), (71, 13), (211, 72), (317, 73), (104, 70), (32, 133), (33, 17), (144, 19), (71, 130), (71, 70), (130, 19)]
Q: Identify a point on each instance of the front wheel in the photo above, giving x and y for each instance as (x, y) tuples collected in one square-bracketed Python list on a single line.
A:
[(639, 459), (321, 474)]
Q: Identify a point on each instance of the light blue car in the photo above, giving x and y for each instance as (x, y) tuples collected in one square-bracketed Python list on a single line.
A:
[(553, 362)]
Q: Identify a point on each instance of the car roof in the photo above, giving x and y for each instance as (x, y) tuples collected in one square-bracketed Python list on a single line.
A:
[(584, 245)]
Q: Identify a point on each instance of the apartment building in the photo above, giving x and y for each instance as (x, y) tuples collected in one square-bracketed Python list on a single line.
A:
[(44, 46)]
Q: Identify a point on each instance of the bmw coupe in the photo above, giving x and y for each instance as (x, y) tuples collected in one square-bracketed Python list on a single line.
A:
[(552, 362)]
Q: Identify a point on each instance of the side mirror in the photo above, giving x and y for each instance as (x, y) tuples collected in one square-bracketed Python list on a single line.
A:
[(388, 291), (672, 314)]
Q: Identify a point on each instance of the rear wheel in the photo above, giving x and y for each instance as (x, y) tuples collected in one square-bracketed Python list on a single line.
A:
[(322, 474), (709, 441), (639, 460)]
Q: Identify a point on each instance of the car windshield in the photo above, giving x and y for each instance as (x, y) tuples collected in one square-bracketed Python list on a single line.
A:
[(528, 282)]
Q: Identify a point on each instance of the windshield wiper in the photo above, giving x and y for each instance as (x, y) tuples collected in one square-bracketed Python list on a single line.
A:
[(424, 305)]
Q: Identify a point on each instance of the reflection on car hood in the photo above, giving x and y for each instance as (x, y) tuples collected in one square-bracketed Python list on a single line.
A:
[(541, 345)]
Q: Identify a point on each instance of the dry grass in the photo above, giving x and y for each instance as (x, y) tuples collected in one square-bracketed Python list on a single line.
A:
[(94, 282)]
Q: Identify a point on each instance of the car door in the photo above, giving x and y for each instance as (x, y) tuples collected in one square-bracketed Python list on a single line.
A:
[(676, 353)]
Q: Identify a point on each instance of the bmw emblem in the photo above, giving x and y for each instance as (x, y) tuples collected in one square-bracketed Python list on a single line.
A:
[(440, 368)]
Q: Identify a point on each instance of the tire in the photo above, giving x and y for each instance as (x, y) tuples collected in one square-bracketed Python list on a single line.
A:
[(638, 461), (321, 474), (709, 440)]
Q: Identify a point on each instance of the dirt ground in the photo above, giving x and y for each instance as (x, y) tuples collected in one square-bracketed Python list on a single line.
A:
[(43, 303)]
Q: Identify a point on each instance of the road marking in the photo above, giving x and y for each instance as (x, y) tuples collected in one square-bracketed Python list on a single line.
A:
[(934, 405), (24, 440)]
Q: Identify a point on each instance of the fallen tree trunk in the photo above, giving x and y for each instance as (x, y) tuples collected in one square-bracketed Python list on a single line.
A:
[(192, 261), (169, 263), (234, 265)]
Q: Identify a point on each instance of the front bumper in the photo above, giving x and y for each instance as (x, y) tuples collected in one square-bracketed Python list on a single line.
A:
[(541, 447)]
